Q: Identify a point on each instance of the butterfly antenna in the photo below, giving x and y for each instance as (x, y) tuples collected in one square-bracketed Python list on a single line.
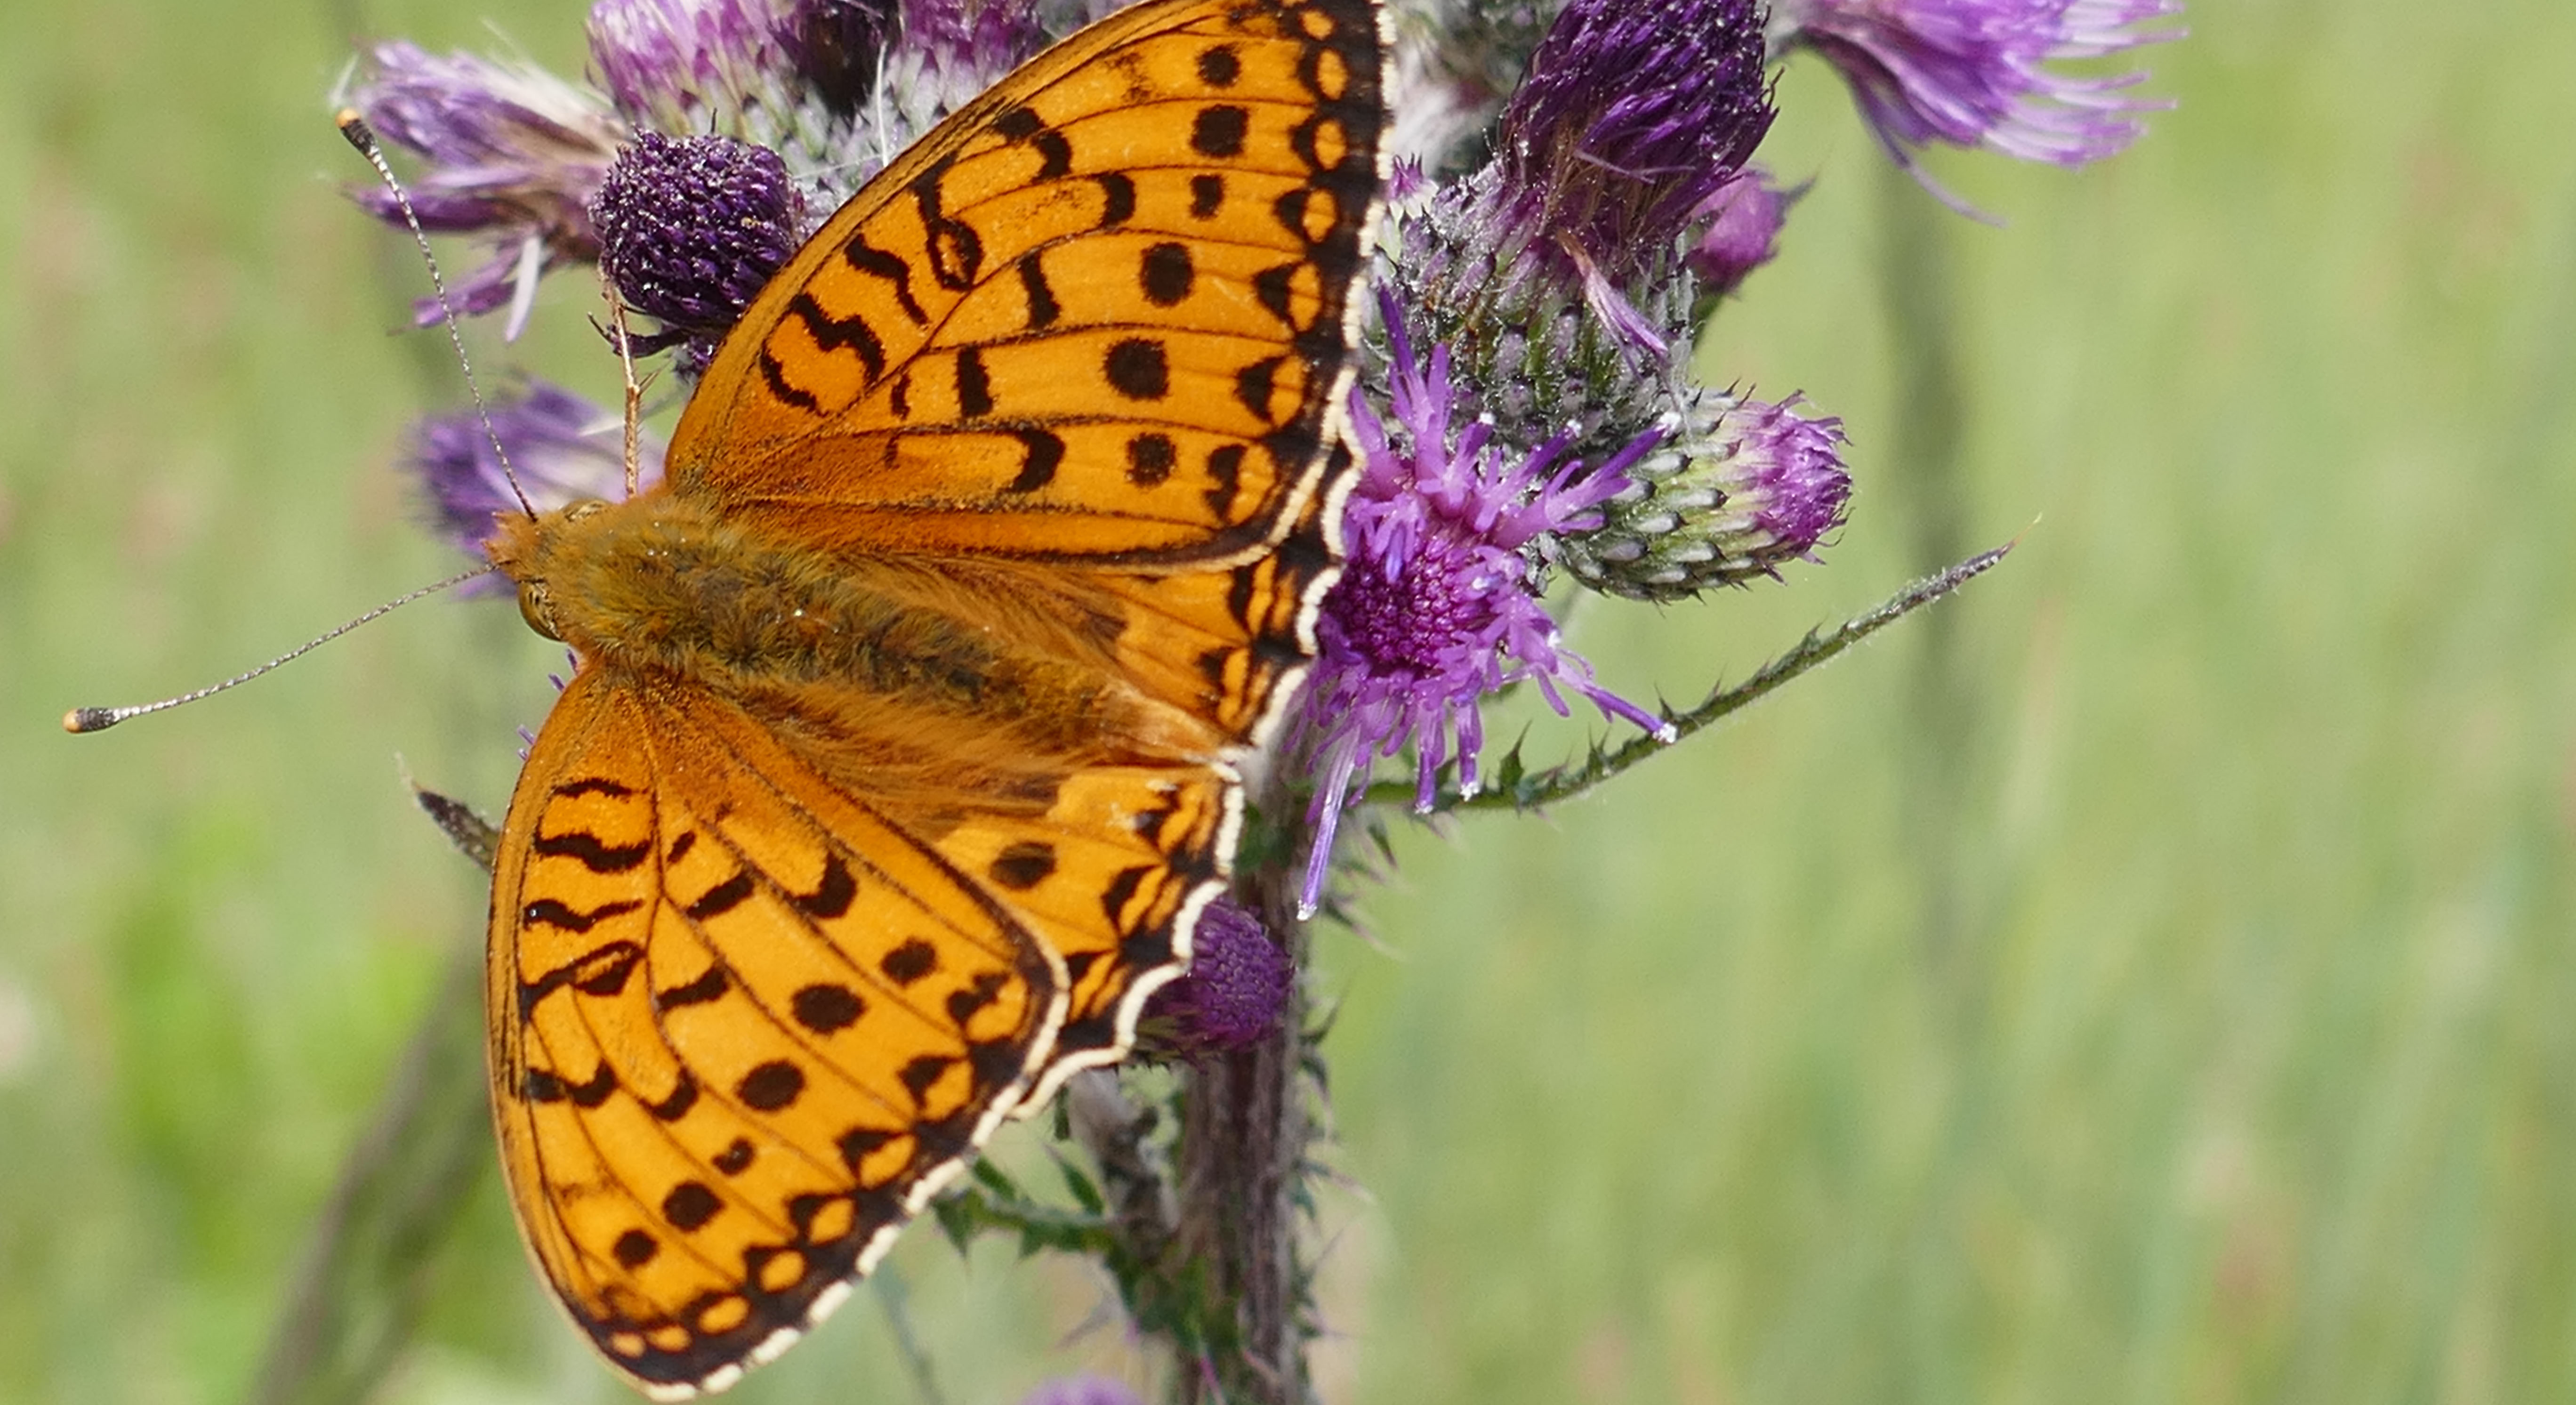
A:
[(81, 720), (363, 137)]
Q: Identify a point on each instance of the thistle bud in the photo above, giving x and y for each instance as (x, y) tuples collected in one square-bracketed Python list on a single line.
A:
[(691, 228), (1235, 991), (1736, 488)]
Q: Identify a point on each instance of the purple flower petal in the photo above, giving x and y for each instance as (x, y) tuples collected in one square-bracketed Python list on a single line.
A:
[(672, 63), (1633, 112), (1083, 1390), (562, 448), (509, 151), (1974, 73), (1744, 217), (1438, 604)]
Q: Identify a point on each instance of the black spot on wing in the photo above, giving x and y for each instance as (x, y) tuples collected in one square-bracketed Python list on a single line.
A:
[(1207, 195), (706, 987), (1150, 459), (1044, 453), (571, 919), (891, 267), (858, 1143), (774, 373), (1055, 154), (1023, 865), (1273, 288), (826, 1008), (690, 1205), (831, 333), (596, 1091), (1219, 130), (771, 1086), (833, 891), (1239, 590), (974, 384), (603, 970), (1043, 307), (1225, 479), (956, 250), (684, 1096), (1165, 275), (1138, 369), (586, 848), (1120, 892), (1118, 196), (722, 898), (1256, 384), (964, 1004), (910, 962), (923, 1073)]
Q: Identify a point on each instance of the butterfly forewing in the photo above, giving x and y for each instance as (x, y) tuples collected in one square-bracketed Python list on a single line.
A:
[(1100, 314)]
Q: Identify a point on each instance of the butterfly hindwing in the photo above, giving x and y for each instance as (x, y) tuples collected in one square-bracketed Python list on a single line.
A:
[(1100, 314), (742, 1027), (1114, 875)]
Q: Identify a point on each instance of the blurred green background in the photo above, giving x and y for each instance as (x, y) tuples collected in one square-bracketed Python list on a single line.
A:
[(2146, 978)]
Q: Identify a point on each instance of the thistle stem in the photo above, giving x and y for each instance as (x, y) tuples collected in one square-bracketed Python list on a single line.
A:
[(1245, 1132)]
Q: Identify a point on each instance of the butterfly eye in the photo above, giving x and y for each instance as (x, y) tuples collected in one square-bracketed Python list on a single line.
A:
[(538, 609)]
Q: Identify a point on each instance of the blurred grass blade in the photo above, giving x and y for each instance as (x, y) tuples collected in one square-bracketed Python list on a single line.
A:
[(366, 1270)]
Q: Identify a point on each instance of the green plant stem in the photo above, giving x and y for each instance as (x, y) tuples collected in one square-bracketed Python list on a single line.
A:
[(1514, 788)]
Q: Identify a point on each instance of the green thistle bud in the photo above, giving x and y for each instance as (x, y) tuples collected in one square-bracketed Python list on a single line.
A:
[(1737, 487)]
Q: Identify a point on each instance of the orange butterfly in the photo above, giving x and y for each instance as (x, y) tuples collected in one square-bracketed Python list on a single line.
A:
[(901, 753)]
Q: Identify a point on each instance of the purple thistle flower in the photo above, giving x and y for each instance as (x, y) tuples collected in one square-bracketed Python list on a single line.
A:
[(952, 50), (1083, 1390), (1438, 604), (1744, 217), (1632, 114), (1973, 72), (840, 47), (684, 66), (1736, 488), (1234, 992), (691, 228), (512, 153), (562, 447)]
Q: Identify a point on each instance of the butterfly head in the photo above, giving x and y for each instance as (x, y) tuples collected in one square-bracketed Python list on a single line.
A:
[(524, 547)]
